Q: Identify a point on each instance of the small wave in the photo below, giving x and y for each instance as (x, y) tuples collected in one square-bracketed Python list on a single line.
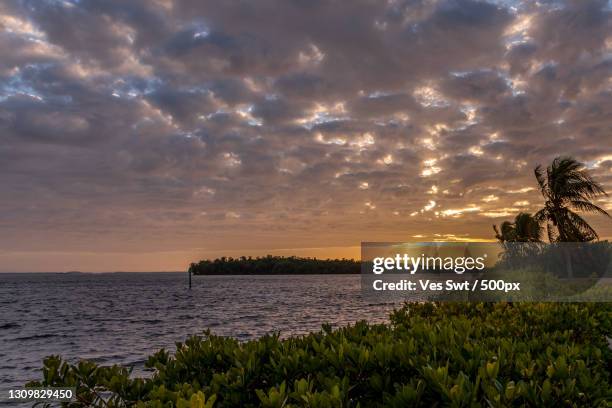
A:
[(382, 304), (138, 363), (11, 325), (36, 337), (152, 321), (103, 359)]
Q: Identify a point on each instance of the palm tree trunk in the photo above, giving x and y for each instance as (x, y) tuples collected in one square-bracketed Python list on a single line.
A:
[(568, 262)]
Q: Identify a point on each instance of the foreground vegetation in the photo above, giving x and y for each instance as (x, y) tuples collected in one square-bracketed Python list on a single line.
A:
[(274, 265), (446, 354)]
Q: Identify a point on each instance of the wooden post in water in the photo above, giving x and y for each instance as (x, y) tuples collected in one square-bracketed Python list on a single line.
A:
[(189, 273)]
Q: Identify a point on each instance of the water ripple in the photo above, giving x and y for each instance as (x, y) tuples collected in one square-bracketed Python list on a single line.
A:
[(122, 318)]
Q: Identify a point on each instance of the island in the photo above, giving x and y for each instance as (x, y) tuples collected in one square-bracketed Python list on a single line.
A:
[(274, 265)]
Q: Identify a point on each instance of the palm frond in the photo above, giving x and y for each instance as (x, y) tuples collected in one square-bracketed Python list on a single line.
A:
[(497, 234), (541, 215), (586, 187), (581, 229), (587, 206), (539, 175), (527, 228)]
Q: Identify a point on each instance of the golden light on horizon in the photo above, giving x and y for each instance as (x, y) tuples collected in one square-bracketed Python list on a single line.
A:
[(233, 135)]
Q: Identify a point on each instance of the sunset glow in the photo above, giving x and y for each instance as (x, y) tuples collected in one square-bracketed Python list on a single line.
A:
[(144, 135)]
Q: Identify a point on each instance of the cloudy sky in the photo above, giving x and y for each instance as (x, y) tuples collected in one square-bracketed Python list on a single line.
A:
[(145, 134)]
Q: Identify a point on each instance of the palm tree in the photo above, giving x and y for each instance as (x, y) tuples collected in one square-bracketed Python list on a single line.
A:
[(519, 239), (567, 186), (525, 228)]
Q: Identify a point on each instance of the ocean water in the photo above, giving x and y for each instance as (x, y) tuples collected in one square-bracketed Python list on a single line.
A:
[(124, 317)]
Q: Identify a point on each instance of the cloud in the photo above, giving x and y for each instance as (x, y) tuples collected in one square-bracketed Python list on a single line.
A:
[(118, 119)]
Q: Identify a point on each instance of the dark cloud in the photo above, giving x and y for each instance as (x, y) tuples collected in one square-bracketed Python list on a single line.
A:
[(276, 110), (187, 107), (373, 106), (485, 87), (155, 125), (575, 28), (520, 57)]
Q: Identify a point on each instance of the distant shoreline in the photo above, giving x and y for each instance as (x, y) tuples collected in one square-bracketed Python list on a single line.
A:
[(173, 272), (81, 272), (278, 274), (275, 265)]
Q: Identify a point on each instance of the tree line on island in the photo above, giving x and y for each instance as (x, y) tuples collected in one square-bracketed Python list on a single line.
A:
[(274, 265), (566, 186)]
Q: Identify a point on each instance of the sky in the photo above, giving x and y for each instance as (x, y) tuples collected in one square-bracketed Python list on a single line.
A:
[(143, 135)]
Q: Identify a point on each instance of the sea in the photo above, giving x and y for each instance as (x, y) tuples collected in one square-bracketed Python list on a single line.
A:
[(122, 318)]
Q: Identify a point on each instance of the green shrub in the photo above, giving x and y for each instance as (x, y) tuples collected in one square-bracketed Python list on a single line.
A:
[(432, 354)]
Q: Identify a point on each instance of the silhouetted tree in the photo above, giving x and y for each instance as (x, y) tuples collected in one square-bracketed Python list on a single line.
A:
[(525, 228), (567, 186), (274, 265)]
